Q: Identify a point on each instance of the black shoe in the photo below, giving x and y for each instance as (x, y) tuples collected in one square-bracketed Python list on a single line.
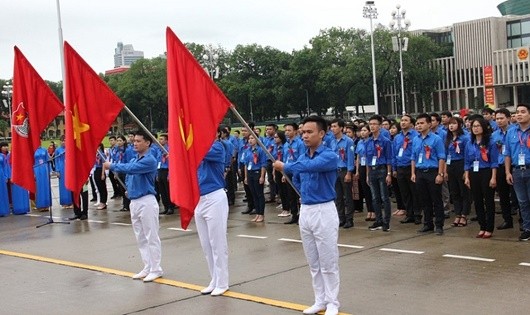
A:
[(525, 236), (386, 228), (246, 211), (348, 225), (170, 212), (113, 197), (83, 217), (505, 225), (231, 203), (270, 201), (407, 220), (341, 223), (439, 230), (93, 199), (253, 212), (124, 210), (376, 226), (294, 220), (163, 212), (426, 229), (474, 219), (447, 215), (245, 200), (73, 218)]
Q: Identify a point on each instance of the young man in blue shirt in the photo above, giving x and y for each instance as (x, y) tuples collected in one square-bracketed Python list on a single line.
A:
[(379, 173), (140, 182), (315, 174), (427, 165)]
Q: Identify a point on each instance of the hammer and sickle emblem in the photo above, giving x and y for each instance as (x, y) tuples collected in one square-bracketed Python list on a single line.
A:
[(189, 139)]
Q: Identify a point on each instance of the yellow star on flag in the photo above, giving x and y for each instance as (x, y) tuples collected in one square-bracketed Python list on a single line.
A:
[(79, 127), (20, 117)]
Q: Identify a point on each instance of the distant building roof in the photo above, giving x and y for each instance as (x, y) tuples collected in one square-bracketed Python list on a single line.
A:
[(117, 70), (514, 7)]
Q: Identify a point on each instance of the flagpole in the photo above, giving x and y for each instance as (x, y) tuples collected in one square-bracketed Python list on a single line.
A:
[(61, 49), (136, 120), (115, 174), (269, 155)]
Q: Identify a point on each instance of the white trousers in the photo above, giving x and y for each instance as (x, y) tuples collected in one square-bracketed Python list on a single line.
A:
[(211, 219), (144, 217), (319, 229)]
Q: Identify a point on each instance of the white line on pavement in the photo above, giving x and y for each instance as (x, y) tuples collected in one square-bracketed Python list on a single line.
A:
[(33, 215), (469, 258), (289, 240), (350, 246), (119, 223), (96, 221), (180, 229), (393, 250), (524, 264), (251, 236)]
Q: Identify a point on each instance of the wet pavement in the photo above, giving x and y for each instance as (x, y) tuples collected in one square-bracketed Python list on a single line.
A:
[(85, 268)]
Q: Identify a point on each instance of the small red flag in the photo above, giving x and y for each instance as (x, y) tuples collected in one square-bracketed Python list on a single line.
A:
[(34, 106), (196, 106), (91, 108)]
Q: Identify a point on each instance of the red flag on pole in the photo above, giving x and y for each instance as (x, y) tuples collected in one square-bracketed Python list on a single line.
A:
[(34, 106), (91, 108), (196, 106)]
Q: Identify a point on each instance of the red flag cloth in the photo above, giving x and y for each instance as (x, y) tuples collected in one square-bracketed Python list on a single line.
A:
[(196, 106), (34, 106), (91, 108)]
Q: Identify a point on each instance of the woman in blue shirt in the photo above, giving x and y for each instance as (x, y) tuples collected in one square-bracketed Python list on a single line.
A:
[(481, 162), (360, 175), (255, 170), (455, 146), (279, 141)]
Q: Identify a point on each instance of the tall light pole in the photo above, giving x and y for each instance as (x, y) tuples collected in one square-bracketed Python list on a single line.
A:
[(370, 12), (307, 101), (398, 16), (7, 92), (210, 63)]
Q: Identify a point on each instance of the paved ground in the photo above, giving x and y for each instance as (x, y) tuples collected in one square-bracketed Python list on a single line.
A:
[(85, 268)]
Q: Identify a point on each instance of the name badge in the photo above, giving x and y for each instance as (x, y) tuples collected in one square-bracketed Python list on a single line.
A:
[(400, 153), (374, 160), (521, 159), (475, 166), (249, 167), (448, 162), (503, 149), (420, 158), (159, 165), (363, 160)]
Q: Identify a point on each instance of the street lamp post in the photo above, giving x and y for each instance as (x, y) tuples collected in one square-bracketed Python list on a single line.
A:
[(7, 92), (370, 12), (307, 101), (398, 16), (210, 63)]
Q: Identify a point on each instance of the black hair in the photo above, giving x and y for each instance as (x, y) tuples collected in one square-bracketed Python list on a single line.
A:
[(412, 119), (4, 144), (459, 131), (524, 105), (273, 125), (446, 113), (251, 124), (436, 117), (238, 132), (321, 122), (112, 137), (292, 124), (144, 135), (488, 110), (503, 111), (281, 135), (122, 137), (486, 131), (426, 116), (164, 135), (376, 117), (338, 121)]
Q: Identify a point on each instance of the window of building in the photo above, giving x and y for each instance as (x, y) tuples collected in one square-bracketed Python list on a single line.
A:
[(525, 28), (525, 41), (515, 29)]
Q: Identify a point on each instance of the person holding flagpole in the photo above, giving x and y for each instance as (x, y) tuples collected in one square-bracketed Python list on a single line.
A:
[(141, 172), (211, 217)]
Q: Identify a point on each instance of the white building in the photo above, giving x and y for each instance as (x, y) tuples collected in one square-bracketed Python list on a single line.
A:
[(125, 55)]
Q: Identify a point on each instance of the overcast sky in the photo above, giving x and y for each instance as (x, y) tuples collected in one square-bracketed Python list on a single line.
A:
[(94, 27)]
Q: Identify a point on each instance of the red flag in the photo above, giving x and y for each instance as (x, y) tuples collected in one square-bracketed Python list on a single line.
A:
[(196, 106), (91, 108), (34, 106)]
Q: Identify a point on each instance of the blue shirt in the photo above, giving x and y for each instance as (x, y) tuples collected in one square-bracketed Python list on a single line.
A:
[(315, 176), (457, 148), (343, 148), (210, 173), (433, 144), (235, 144), (517, 143), (141, 174), (440, 132), (402, 148), (292, 150), (360, 151), (242, 152), (378, 150), (229, 149), (474, 153), (328, 139), (255, 159), (161, 157), (129, 153), (499, 138), (270, 144)]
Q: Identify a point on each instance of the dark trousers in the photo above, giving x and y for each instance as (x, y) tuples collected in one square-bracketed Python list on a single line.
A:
[(163, 187), (483, 197), (458, 191), (273, 189), (114, 183), (380, 195), (257, 191), (292, 197), (366, 191), (430, 195), (397, 193), (93, 187), (408, 192), (344, 199), (126, 201), (504, 189), (101, 184), (231, 184), (82, 209), (282, 190), (248, 193)]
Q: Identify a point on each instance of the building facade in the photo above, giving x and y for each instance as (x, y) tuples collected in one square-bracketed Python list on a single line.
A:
[(125, 55)]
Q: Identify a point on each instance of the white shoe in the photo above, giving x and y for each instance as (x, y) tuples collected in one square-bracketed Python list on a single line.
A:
[(314, 309), (152, 276), (218, 291), (331, 310), (142, 274), (208, 289)]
